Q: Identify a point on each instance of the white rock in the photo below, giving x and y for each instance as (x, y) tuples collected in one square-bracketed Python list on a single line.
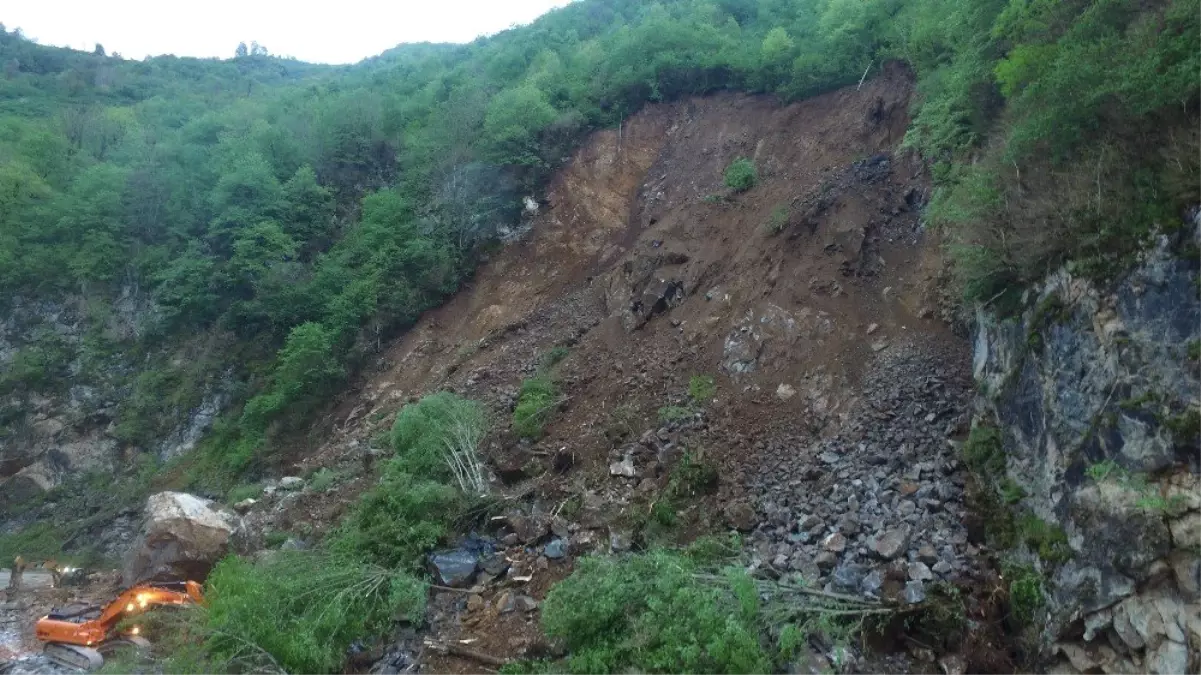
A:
[(785, 392), (1169, 657), (1186, 531), (623, 468), (183, 536), (290, 482)]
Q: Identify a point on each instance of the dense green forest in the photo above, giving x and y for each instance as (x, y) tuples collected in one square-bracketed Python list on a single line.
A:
[(299, 215)]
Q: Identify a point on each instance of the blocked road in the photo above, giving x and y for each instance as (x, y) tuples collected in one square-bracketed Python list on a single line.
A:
[(31, 579)]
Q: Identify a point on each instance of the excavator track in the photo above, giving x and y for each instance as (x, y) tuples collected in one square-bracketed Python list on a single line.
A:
[(91, 658), (73, 656)]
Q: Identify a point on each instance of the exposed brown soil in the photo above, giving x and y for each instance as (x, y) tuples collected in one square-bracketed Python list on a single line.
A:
[(651, 271)]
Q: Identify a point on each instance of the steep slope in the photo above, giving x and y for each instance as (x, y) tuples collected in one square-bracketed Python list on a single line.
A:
[(837, 383)]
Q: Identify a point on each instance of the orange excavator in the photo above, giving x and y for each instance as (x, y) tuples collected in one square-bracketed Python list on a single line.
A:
[(80, 639)]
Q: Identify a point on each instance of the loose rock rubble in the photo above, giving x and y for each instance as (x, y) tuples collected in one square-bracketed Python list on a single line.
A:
[(878, 509)]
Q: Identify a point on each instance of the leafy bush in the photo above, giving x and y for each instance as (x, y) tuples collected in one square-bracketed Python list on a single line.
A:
[(438, 438), (303, 609), (983, 452), (395, 523), (538, 399), (651, 613), (741, 175)]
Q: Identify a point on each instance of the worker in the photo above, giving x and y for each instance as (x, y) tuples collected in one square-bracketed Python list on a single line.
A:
[(56, 571), (14, 578)]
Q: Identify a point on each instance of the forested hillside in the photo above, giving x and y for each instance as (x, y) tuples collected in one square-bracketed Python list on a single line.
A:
[(298, 215), (720, 343)]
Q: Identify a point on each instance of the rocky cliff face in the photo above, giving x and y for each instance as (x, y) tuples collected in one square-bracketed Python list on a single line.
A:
[(67, 369), (1095, 393)]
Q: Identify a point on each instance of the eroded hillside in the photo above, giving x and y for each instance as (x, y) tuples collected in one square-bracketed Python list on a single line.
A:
[(838, 383)]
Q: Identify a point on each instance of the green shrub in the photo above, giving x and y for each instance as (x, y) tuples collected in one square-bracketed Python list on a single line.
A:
[(395, 523), (651, 613), (674, 413), (1048, 541), (303, 609), (554, 356), (702, 389), (778, 220), (422, 431), (275, 538), (538, 399), (741, 175), (324, 479), (983, 452), (242, 492), (1025, 592)]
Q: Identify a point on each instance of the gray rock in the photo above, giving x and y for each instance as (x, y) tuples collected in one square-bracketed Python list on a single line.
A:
[(892, 543), (619, 542), (835, 543), (927, 554), (557, 548), (808, 522), (826, 560), (941, 567), (848, 576), (740, 516), (872, 582), (455, 568), (918, 571), (1169, 657), (291, 483), (182, 537), (915, 592), (526, 604), (529, 529)]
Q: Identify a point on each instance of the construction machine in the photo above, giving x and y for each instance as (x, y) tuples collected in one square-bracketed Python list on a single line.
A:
[(81, 638)]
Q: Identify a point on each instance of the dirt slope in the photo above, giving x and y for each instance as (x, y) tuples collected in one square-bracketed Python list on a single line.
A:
[(836, 376)]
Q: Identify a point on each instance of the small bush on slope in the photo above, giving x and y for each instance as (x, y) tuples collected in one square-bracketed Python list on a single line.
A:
[(539, 396), (650, 613), (741, 175), (438, 438)]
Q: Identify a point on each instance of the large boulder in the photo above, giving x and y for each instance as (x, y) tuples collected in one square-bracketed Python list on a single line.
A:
[(182, 538)]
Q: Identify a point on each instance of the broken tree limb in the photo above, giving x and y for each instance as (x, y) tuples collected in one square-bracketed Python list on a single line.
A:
[(464, 652)]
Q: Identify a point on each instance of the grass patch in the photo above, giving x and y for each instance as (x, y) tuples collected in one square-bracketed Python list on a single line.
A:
[(983, 452), (1026, 593), (243, 492), (538, 399), (555, 356), (674, 413), (741, 175), (778, 220), (702, 389), (1194, 350), (1049, 541), (324, 479)]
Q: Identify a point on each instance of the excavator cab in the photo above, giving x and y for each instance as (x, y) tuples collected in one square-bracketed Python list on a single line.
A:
[(79, 637)]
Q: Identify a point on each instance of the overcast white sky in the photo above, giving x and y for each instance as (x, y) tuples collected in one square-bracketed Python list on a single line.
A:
[(321, 31)]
